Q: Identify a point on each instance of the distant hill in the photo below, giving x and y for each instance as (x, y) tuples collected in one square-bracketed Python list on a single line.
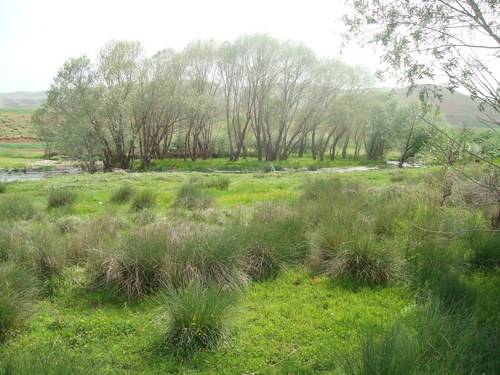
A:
[(458, 109), (22, 99)]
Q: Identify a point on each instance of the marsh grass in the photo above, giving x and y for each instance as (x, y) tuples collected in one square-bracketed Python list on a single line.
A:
[(16, 207), (218, 183), (122, 195), (143, 199), (192, 196), (45, 362), (197, 318), (19, 289), (61, 197), (3, 187)]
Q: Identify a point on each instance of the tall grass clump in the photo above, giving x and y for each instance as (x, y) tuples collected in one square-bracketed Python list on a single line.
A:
[(198, 317), (136, 264), (3, 187), (208, 254), (19, 288), (485, 249), (143, 199), (122, 195), (274, 238), (192, 196), (429, 341), (61, 197), (218, 183), (16, 207)]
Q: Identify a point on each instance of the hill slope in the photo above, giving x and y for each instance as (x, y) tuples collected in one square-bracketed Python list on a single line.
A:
[(22, 99), (458, 109)]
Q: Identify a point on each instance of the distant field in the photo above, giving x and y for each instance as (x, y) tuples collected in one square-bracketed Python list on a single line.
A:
[(16, 126), (19, 155)]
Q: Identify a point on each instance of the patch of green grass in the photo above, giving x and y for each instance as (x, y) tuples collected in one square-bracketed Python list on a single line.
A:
[(143, 199), (16, 207), (61, 197)]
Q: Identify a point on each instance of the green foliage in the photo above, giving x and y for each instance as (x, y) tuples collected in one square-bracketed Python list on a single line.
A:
[(19, 290), (143, 199), (3, 187), (191, 196), (123, 194), (61, 197), (16, 207), (197, 319), (69, 224)]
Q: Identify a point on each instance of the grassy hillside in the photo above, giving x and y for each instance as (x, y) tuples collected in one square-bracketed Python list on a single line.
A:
[(15, 125), (22, 99), (458, 109)]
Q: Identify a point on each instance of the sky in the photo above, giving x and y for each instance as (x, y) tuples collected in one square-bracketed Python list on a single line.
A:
[(36, 37)]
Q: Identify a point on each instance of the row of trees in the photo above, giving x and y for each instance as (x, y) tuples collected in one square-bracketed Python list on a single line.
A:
[(255, 96)]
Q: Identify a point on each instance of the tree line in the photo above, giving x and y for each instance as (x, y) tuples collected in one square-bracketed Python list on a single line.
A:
[(256, 96)]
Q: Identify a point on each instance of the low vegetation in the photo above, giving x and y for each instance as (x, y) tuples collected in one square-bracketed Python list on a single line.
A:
[(301, 260), (61, 197)]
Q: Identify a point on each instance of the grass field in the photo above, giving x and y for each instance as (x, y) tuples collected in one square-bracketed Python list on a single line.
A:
[(19, 155), (15, 124), (297, 322)]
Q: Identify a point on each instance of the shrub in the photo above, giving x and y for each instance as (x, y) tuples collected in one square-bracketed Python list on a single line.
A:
[(123, 194), (192, 196), (197, 318), (3, 187), (219, 183), (15, 207), (61, 197), (143, 199), (18, 288), (136, 265)]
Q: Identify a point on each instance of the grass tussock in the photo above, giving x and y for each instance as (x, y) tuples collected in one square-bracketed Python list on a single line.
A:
[(136, 265), (218, 183), (61, 197), (16, 207), (197, 319), (192, 196), (3, 187), (19, 289), (143, 199), (123, 194)]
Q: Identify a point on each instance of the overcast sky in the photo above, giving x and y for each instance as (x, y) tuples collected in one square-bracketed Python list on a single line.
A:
[(36, 37)]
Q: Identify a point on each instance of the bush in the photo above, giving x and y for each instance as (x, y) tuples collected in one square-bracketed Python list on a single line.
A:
[(219, 183), (198, 316), (192, 196), (61, 197), (18, 289), (136, 265), (16, 207), (123, 194), (143, 199)]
